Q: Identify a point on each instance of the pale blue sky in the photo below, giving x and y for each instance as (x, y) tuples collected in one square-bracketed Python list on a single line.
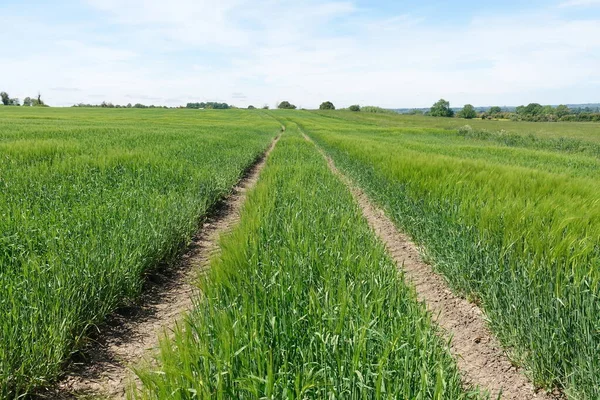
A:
[(387, 53)]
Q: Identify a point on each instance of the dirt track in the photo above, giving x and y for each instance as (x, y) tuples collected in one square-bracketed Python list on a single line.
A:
[(103, 368), (479, 356)]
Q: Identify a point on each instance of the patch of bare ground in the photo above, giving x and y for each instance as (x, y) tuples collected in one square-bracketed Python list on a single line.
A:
[(479, 355), (102, 369)]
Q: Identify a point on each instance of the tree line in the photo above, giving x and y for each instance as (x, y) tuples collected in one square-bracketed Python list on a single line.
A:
[(105, 104), (326, 105), (533, 112), (209, 105), (536, 112), (27, 101), (203, 105)]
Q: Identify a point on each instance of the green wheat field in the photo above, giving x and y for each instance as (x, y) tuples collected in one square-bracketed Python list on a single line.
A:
[(302, 302)]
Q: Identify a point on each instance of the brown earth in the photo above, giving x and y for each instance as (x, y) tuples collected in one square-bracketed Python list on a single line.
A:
[(479, 356), (103, 368)]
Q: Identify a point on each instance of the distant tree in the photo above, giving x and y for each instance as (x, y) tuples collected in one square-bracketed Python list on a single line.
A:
[(129, 105), (286, 105), (537, 113), (547, 110), (5, 98), (468, 112), (209, 105), (251, 107), (27, 102), (532, 109), (415, 111), (15, 102), (327, 105), (377, 110), (441, 109), (265, 107), (38, 102), (220, 106), (354, 107), (562, 111), (494, 110)]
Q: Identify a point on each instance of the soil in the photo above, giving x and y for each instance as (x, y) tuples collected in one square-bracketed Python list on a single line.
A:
[(103, 368), (479, 356)]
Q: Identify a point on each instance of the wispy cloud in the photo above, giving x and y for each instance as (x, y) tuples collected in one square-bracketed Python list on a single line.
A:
[(64, 89), (257, 52), (579, 3), (143, 97)]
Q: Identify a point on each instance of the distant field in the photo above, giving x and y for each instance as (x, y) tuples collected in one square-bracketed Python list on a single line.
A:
[(299, 302), (90, 200), (587, 131)]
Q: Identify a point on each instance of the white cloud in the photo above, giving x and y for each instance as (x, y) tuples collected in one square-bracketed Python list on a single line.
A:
[(256, 52), (579, 3), (235, 23), (94, 53)]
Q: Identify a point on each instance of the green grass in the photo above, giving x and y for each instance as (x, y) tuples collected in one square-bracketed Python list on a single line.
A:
[(89, 201), (585, 131), (377, 110), (514, 226), (303, 303)]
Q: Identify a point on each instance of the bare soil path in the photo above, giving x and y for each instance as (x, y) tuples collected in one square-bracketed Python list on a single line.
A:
[(479, 355), (103, 367)]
